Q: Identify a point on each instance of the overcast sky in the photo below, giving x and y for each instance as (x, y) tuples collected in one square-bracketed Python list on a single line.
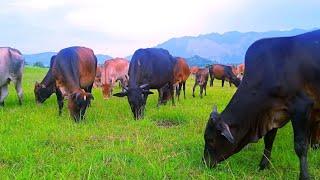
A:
[(118, 27)]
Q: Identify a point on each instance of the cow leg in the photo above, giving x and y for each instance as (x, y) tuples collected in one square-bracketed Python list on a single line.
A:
[(4, 94), (205, 88), (301, 130), (178, 89), (172, 94), (19, 91), (268, 142), (59, 100), (160, 92), (194, 87), (201, 91), (222, 82), (184, 89), (211, 79), (230, 83)]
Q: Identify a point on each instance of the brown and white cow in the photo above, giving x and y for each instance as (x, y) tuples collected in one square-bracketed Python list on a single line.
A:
[(11, 69), (112, 71), (74, 71)]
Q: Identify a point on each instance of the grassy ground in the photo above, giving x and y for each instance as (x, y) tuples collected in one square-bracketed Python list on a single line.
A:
[(36, 143)]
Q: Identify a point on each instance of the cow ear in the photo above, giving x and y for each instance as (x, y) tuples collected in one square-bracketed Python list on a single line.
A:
[(225, 131), (121, 94)]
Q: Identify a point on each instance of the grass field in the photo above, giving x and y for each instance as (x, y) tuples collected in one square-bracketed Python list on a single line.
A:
[(35, 143)]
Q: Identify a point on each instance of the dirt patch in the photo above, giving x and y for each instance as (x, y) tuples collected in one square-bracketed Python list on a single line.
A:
[(167, 123)]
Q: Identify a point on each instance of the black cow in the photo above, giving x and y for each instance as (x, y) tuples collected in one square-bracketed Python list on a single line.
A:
[(281, 83), (47, 87), (150, 68)]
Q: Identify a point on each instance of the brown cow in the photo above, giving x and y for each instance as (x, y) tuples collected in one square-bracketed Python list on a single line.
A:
[(74, 71), (201, 79), (181, 73), (222, 72), (114, 70)]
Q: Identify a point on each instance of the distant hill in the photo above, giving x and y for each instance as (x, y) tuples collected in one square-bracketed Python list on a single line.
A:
[(40, 57), (101, 58), (198, 61), (227, 48), (46, 56)]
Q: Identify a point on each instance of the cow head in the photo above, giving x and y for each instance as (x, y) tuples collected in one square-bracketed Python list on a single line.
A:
[(41, 92), (107, 90), (219, 141), (137, 98), (201, 78), (78, 103)]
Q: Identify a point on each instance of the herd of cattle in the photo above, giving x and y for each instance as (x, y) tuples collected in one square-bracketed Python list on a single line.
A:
[(280, 83)]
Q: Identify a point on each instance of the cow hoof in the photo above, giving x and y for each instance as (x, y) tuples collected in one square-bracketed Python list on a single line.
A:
[(263, 164), (2, 104), (193, 96)]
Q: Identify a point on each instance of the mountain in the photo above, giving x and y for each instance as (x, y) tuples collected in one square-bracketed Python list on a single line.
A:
[(46, 56), (226, 48), (101, 58), (198, 61)]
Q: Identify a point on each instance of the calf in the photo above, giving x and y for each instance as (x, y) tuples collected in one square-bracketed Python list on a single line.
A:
[(11, 69), (74, 71), (222, 72), (201, 79)]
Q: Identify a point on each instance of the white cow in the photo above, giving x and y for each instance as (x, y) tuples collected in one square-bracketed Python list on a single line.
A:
[(11, 69)]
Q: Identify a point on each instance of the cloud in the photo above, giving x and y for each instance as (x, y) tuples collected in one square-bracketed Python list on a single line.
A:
[(119, 27)]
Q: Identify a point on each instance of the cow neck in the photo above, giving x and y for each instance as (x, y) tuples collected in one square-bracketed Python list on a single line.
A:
[(48, 80), (242, 120)]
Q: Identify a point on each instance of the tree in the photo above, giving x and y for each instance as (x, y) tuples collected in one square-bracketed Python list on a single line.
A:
[(38, 64)]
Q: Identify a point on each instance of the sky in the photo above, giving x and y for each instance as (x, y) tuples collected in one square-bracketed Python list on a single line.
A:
[(119, 27)]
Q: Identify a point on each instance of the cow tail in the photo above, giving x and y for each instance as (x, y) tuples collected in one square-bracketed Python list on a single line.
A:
[(315, 136)]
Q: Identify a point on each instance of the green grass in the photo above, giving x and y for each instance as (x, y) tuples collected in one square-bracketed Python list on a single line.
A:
[(36, 143)]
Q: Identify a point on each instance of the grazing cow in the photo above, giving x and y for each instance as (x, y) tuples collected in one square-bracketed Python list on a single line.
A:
[(11, 69), (222, 72), (97, 80), (150, 68), (44, 89), (280, 84), (74, 71), (201, 79), (113, 70)]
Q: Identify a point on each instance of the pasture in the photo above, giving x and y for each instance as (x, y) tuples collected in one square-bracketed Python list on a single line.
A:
[(167, 144)]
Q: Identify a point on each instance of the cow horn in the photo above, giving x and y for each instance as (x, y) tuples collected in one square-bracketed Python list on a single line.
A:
[(215, 109), (227, 133), (144, 86)]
